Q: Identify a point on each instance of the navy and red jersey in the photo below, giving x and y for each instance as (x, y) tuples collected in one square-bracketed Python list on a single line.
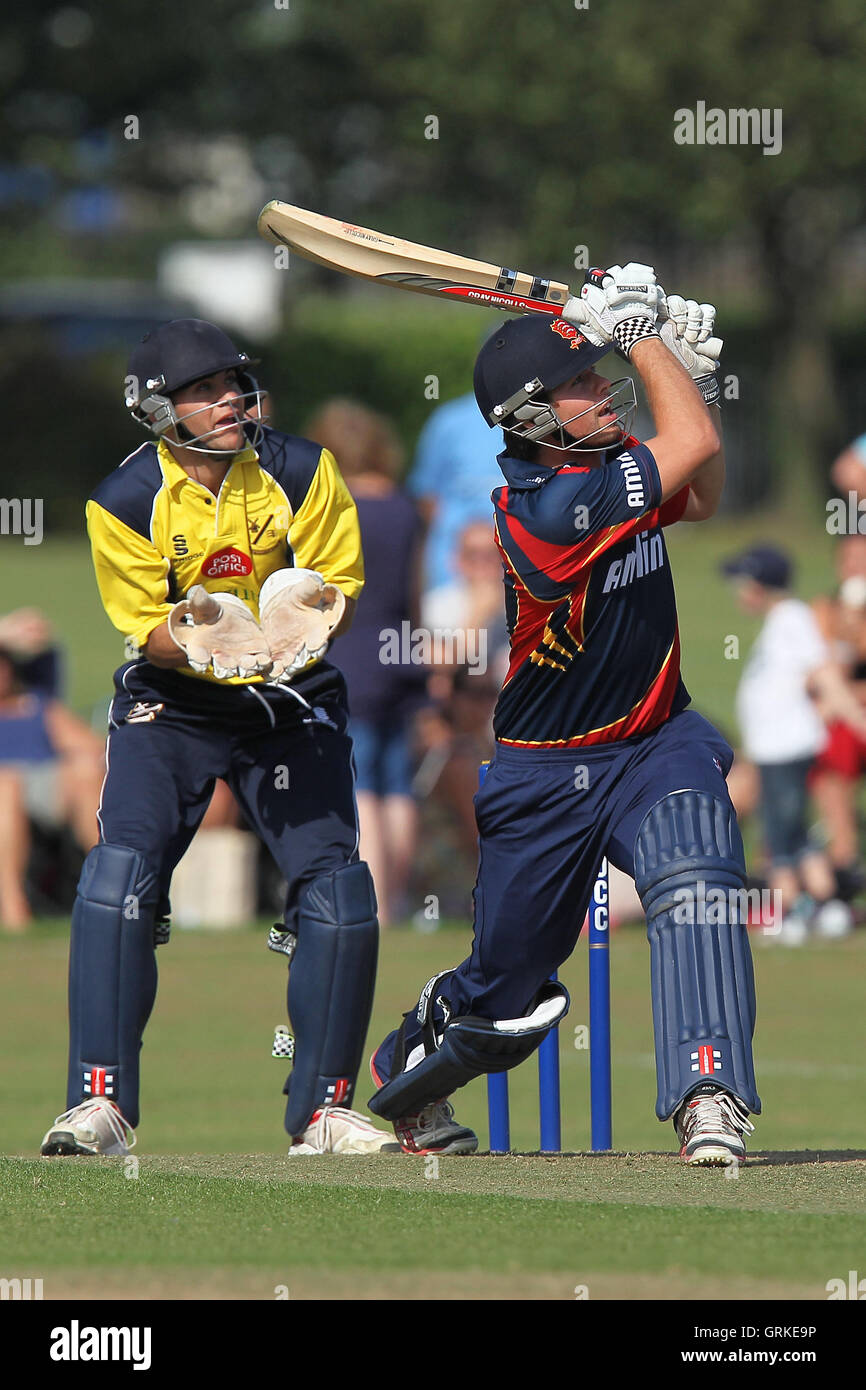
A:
[(595, 651)]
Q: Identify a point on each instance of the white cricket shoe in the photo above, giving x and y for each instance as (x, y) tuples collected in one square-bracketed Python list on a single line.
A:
[(793, 927), (834, 919), (333, 1130), (710, 1126), (94, 1127), (434, 1131)]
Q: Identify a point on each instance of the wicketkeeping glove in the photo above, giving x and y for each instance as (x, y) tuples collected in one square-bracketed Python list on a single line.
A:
[(219, 630), (299, 612), (687, 331)]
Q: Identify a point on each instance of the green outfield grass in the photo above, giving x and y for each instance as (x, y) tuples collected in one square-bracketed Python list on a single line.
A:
[(218, 1210)]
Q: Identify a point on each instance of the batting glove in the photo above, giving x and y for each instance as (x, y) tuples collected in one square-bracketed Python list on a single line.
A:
[(687, 331), (219, 631), (617, 306), (299, 612)]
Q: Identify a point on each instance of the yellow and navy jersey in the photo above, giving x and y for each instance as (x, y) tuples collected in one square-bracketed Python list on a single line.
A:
[(595, 650), (155, 532)]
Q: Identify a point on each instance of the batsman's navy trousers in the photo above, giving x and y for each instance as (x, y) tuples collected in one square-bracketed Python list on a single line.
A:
[(546, 818), (287, 761)]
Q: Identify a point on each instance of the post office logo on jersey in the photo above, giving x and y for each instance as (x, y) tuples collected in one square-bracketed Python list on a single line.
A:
[(567, 330), (227, 563)]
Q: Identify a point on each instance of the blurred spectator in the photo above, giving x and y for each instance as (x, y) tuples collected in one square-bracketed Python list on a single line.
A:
[(841, 763), (782, 733), (473, 603), (454, 473), (383, 696), (28, 637), (849, 470), (51, 769), (465, 620), (457, 738)]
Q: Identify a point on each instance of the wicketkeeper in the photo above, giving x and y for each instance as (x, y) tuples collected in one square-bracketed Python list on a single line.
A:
[(597, 753), (229, 555)]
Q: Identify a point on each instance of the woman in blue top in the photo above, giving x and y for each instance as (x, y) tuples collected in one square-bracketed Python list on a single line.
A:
[(384, 695), (51, 768)]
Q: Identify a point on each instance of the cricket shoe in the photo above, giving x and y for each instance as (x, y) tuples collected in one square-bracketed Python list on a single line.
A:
[(710, 1126), (434, 1130), (94, 1127), (833, 920), (333, 1130)]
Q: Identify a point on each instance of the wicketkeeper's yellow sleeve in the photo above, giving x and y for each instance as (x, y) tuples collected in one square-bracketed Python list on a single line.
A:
[(132, 576)]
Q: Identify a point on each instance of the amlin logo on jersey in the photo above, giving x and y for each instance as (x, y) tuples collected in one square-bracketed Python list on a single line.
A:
[(648, 555)]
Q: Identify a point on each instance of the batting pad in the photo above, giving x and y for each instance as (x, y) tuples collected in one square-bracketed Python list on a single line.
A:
[(112, 976), (468, 1047), (690, 874), (330, 996)]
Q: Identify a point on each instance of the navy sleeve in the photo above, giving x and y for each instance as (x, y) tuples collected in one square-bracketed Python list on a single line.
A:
[(128, 492), (291, 461), (580, 502)]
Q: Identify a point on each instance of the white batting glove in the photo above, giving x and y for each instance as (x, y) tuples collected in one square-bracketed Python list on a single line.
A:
[(687, 331), (218, 630), (618, 306), (299, 612)]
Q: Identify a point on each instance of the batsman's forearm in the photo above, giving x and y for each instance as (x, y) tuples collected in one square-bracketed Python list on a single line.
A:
[(672, 396), (708, 482), (162, 650), (685, 437)]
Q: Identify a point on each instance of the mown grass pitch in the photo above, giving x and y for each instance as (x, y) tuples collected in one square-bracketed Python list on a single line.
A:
[(215, 1209), (242, 1226)]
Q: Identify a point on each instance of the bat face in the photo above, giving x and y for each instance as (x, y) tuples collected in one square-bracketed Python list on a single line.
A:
[(374, 256)]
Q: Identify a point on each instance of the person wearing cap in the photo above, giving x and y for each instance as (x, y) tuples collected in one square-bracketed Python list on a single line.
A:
[(789, 668), (229, 555), (840, 765), (597, 753), (848, 471)]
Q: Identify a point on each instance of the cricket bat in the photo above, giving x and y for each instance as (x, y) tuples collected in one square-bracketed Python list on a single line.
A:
[(391, 261)]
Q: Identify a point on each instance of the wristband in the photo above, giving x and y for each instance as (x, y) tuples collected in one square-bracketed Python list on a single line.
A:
[(709, 389), (631, 331)]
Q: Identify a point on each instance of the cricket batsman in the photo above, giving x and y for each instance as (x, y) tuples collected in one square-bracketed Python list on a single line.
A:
[(229, 555), (597, 752)]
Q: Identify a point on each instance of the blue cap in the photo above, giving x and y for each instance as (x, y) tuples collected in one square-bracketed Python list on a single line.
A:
[(183, 351), (763, 563), (531, 349)]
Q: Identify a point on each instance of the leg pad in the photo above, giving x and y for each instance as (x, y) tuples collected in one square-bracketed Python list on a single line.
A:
[(331, 981), (690, 874), (112, 975)]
